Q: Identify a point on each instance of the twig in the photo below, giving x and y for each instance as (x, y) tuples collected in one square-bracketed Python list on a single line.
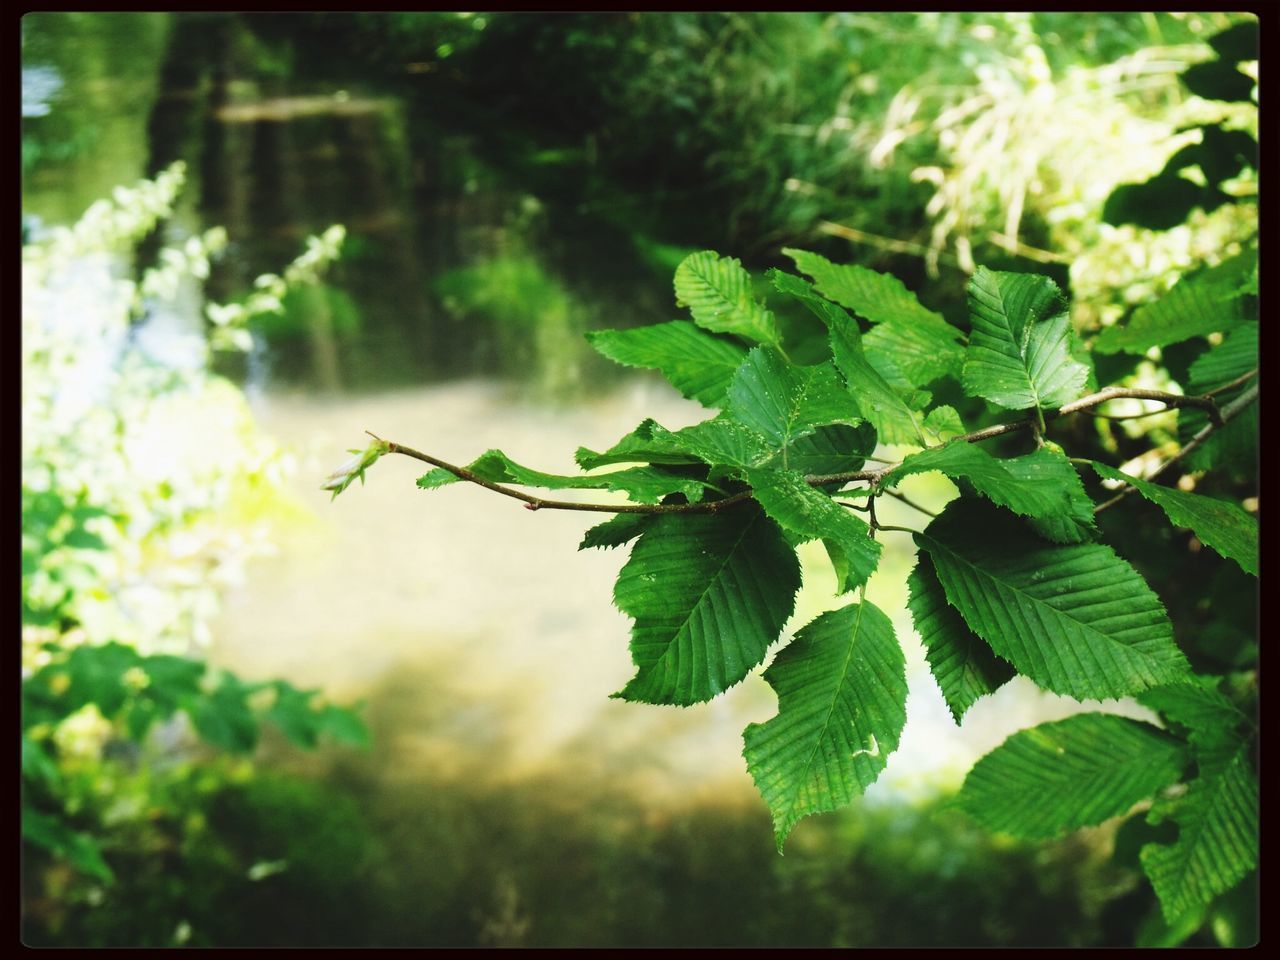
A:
[(910, 503), (532, 502), (540, 503), (1227, 413), (1232, 384)]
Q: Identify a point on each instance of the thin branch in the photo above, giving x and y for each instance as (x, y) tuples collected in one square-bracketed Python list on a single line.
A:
[(532, 502), (910, 503), (853, 506), (1168, 399), (1231, 385), (541, 503), (1229, 412)]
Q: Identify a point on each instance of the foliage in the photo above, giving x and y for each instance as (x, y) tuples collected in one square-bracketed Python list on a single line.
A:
[(144, 487), (1012, 577)]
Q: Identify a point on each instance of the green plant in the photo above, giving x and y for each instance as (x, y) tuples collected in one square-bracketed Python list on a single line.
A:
[(1013, 577), (144, 487)]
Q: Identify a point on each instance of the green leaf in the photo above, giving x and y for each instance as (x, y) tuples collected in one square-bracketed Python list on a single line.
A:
[(923, 348), (54, 835), (223, 718), (943, 423), (1019, 352), (1197, 704), (1077, 772), (1075, 523), (842, 692), (644, 484), (344, 725), (1236, 443), (990, 478), (1197, 305), (650, 442), (879, 297), (698, 364), (717, 292), (783, 401), (725, 441), (1076, 619), (614, 532), (961, 661), (1217, 841), (709, 593), (293, 715), (96, 675), (894, 419), (812, 515), (834, 449), (1224, 527)]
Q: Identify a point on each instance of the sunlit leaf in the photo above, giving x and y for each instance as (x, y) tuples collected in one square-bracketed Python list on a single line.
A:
[(812, 515), (1019, 352), (1075, 619), (961, 661), (709, 593), (1058, 777), (1222, 526), (717, 292), (842, 691), (698, 364)]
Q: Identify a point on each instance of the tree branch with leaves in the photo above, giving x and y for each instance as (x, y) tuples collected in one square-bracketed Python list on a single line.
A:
[(1012, 578)]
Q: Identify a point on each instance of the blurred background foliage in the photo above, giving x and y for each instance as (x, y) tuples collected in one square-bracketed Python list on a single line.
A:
[(508, 182)]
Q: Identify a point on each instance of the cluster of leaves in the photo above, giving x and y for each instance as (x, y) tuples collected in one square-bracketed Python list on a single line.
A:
[(1012, 577), (134, 693), (143, 488)]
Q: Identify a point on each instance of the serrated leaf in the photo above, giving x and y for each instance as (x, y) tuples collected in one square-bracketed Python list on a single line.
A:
[(699, 365), (708, 593), (724, 441), (962, 663), (1076, 523), (834, 449), (1198, 705), (943, 423), (1222, 526), (644, 484), (990, 478), (614, 532), (894, 419), (1217, 841), (1019, 352), (1058, 777), (1076, 619), (923, 348), (650, 442), (717, 292), (842, 691), (783, 401), (879, 297), (1197, 305), (812, 515)]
